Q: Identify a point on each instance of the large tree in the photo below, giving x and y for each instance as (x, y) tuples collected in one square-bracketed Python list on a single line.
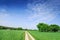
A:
[(54, 27), (43, 27)]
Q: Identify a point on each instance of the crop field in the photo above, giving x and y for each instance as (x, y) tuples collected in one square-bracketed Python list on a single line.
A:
[(11, 35), (45, 35), (20, 35)]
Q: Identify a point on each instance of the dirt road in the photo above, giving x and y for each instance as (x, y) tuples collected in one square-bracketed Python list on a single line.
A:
[(28, 36)]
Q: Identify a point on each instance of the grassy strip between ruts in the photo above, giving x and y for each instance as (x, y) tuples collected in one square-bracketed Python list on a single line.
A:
[(45, 35), (11, 35)]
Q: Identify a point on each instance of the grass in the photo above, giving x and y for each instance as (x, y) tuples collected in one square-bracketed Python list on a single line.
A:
[(11, 35), (45, 35), (20, 35)]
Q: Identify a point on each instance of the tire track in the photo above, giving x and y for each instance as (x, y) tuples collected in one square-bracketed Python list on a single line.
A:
[(28, 36)]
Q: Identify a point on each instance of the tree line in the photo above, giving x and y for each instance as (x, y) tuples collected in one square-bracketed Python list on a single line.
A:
[(10, 28), (43, 27)]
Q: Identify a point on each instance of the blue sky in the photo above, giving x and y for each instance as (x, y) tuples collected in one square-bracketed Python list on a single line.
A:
[(28, 13)]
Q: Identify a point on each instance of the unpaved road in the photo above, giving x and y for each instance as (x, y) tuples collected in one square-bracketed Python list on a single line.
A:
[(28, 36)]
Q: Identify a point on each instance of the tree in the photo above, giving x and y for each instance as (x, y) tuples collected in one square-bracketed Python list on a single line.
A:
[(43, 27), (19, 28), (54, 27), (11, 28), (1, 27), (48, 28)]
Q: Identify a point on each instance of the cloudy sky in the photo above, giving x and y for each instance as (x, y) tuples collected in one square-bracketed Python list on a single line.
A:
[(28, 13)]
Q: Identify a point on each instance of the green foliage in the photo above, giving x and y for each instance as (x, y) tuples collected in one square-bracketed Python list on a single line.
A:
[(19, 28), (54, 27), (11, 28), (47, 28), (42, 27)]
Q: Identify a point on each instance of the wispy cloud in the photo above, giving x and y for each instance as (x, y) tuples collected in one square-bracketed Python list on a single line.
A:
[(4, 16), (40, 11), (3, 13)]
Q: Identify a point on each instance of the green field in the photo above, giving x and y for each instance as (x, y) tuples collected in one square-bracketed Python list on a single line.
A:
[(20, 35), (45, 35), (11, 35)]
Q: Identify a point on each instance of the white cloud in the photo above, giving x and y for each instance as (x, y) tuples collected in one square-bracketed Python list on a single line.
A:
[(3, 13), (40, 12), (3, 16)]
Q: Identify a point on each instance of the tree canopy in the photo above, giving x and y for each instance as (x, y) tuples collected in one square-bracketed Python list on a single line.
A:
[(11, 28), (43, 27)]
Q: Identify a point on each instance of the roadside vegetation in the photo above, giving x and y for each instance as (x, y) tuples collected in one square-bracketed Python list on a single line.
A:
[(11, 35), (45, 35)]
